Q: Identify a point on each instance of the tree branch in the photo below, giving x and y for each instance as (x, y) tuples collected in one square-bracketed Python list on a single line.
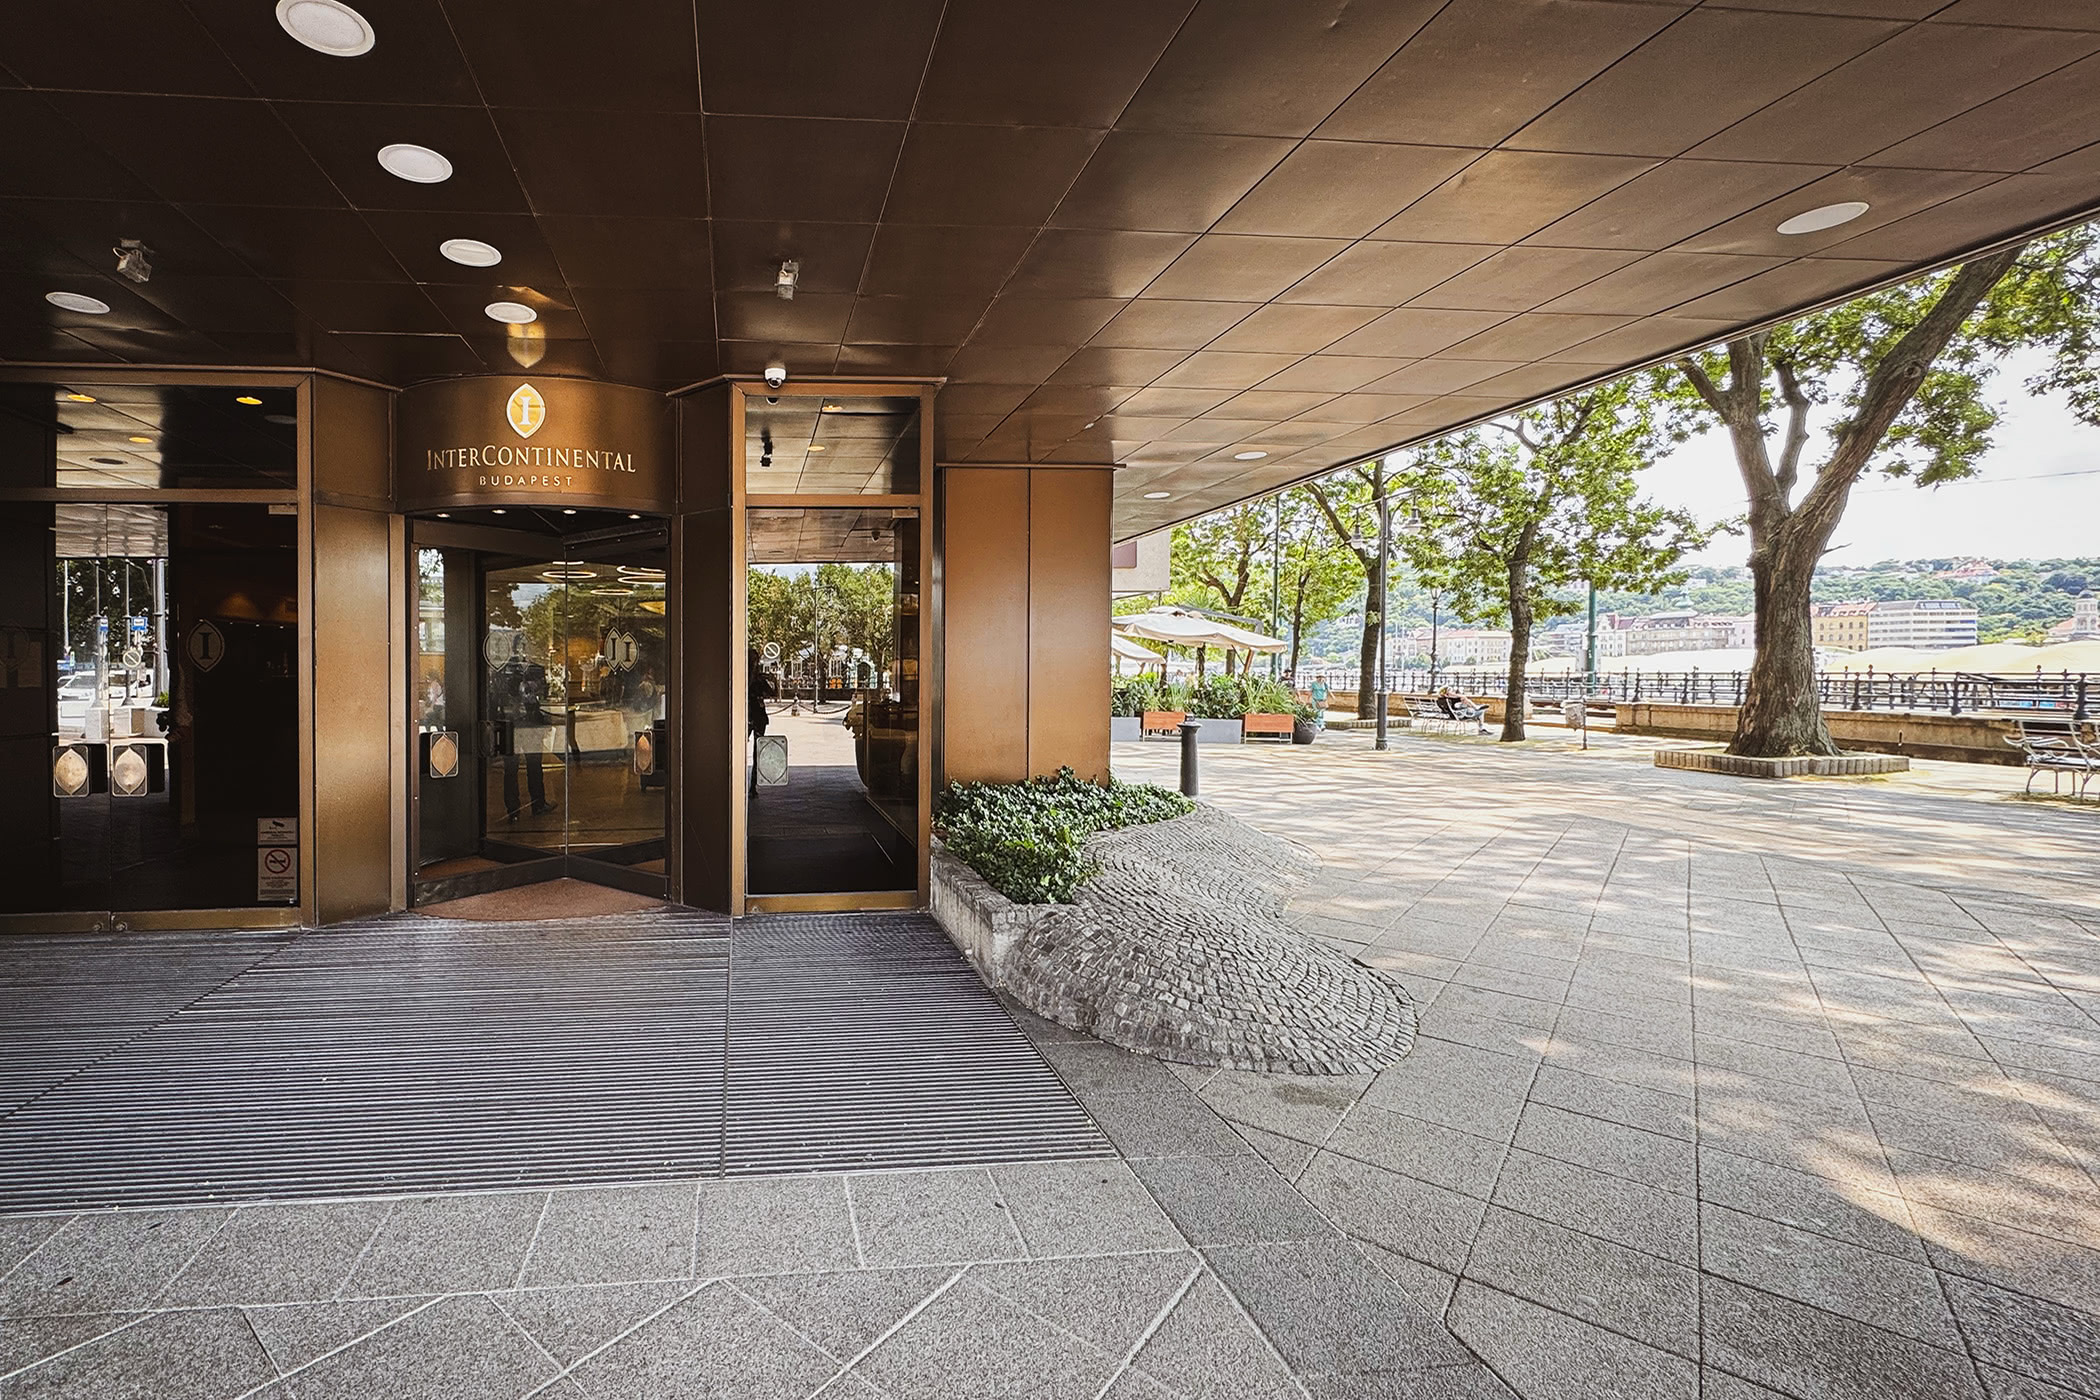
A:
[(1700, 381), (1894, 383)]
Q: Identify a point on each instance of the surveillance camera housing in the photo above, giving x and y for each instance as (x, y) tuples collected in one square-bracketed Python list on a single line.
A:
[(776, 375)]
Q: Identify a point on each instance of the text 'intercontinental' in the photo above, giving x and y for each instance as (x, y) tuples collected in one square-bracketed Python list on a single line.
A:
[(555, 458)]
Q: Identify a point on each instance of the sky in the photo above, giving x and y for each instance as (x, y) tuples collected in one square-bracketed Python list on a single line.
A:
[(2017, 506)]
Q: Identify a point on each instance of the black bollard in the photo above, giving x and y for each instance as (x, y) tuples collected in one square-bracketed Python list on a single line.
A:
[(1384, 705), (1188, 756)]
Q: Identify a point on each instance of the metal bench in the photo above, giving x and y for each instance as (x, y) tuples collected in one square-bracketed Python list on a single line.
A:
[(1425, 714), (2059, 747)]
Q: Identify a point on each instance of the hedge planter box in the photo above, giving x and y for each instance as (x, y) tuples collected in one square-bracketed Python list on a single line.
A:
[(1123, 729), (983, 923), (1217, 731), (1846, 765)]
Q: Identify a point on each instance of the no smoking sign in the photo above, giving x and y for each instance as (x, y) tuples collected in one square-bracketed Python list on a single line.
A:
[(277, 875)]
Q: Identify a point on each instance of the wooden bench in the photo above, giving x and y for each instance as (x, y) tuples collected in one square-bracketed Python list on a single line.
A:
[(2059, 747), (1276, 726), (1166, 722)]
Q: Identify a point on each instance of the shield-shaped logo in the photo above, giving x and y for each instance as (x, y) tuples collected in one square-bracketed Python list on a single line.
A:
[(526, 410)]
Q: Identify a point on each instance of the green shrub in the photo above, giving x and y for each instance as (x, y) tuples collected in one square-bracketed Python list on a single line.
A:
[(1027, 839), (1133, 695)]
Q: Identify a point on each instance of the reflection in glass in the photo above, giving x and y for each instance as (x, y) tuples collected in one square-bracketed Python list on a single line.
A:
[(832, 607), (149, 436), (153, 722), (831, 445)]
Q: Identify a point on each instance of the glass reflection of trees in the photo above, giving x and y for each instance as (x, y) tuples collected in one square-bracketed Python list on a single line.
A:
[(837, 615)]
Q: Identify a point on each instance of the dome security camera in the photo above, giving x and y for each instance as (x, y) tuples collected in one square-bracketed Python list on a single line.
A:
[(776, 375)]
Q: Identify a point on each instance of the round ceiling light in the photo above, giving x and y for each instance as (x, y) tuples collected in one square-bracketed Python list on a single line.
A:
[(75, 301), (818, 447), (139, 439), (326, 26), (1825, 216), (1157, 495), (1248, 456), (471, 252), (499, 510), (417, 163), (248, 399), (511, 313), (77, 397)]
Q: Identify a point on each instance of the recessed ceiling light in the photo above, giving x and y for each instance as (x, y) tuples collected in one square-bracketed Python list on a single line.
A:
[(568, 510), (1157, 495), (471, 252), (634, 517), (834, 408), (1826, 216), (499, 510), (75, 301), (248, 399), (326, 26), (818, 447), (444, 515), (140, 439), (1248, 456), (81, 398), (510, 313), (107, 461), (417, 163)]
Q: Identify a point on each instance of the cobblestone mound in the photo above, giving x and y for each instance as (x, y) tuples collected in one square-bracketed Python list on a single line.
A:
[(1179, 948)]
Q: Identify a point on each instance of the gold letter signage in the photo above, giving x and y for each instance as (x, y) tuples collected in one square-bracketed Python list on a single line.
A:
[(493, 441)]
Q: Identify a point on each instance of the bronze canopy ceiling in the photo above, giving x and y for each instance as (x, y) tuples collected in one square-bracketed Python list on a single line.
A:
[(1166, 233)]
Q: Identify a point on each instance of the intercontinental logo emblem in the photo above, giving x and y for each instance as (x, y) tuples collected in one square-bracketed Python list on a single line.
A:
[(526, 410)]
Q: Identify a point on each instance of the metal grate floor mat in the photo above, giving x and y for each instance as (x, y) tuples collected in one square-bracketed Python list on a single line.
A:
[(410, 1054)]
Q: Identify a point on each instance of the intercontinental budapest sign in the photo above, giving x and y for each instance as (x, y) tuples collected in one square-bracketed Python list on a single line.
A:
[(559, 442)]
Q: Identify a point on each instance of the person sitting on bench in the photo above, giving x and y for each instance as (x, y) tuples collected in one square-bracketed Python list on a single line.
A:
[(1453, 705)]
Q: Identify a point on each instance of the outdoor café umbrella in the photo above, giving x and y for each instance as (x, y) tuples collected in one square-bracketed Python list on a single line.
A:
[(1123, 649), (1187, 629)]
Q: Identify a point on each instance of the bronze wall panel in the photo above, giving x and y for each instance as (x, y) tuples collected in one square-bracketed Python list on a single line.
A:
[(984, 573), (1068, 609), (707, 747), (353, 458), (353, 710)]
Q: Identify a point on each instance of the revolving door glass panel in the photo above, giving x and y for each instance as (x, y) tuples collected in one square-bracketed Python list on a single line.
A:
[(542, 715)]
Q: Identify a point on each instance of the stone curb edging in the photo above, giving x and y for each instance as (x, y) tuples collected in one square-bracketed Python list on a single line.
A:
[(1179, 948), (1849, 765)]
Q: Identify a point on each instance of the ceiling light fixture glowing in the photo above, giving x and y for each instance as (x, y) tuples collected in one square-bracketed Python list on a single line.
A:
[(510, 313), (471, 252), (81, 398), (418, 164), (76, 301), (634, 517), (444, 515), (1248, 456), (1157, 495), (568, 510), (139, 439), (1826, 216), (248, 399), (326, 26), (818, 447), (499, 510), (834, 408)]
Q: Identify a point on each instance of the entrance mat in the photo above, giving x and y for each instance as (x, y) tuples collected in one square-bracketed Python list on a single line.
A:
[(412, 1054)]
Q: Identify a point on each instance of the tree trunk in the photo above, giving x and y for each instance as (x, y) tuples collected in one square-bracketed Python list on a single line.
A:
[(1297, 627), (1513, 701), (1367, 660), (1782, 713)]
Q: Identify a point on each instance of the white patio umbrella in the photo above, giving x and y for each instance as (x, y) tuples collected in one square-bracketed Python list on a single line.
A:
[(1123, 649), (1187, 629)]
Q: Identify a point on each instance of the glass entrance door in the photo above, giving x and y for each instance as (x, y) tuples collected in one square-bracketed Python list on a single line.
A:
[(542, 713)]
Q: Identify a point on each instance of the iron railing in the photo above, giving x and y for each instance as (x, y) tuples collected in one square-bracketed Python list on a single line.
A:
[(2073, 693)]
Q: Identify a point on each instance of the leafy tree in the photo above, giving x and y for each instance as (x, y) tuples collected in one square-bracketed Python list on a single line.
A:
[(1905, 369), (1349, 501), (1221, 561), (1504, 517), (1318, 577)]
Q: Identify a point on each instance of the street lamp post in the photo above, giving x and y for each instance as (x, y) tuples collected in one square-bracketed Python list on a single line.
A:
[(1276, 584), (1385, 601)]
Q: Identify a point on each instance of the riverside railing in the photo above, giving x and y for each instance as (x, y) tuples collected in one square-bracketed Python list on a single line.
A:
[(2074, 693)]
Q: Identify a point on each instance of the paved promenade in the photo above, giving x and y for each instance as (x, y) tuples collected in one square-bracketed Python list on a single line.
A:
[(1724, 1089)]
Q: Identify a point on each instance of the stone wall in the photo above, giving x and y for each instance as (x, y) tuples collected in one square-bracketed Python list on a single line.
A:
[(1963, 738)]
